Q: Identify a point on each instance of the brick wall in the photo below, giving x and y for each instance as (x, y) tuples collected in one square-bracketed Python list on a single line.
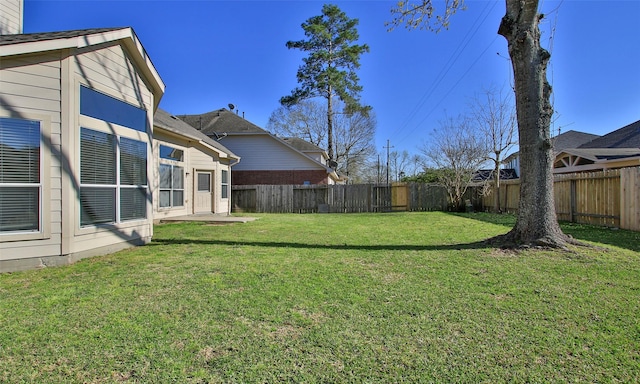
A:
[(279, 177)]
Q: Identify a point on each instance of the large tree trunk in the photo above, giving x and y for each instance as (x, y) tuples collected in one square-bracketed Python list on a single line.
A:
[(496, 179), (330, 125), (537, 223)]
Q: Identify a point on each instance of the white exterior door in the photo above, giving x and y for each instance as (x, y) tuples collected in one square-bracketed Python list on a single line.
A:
[(203, 199)]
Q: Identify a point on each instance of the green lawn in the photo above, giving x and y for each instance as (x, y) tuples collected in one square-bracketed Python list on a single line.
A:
[(407, 297)]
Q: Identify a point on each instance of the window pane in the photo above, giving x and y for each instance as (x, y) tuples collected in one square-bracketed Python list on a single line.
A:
[(97, 205), (178, 178), (225, 177), (170, 153), (100, 106), (225, 192), (133, 162), (133, 203), (19, 209), (204, 182), (19, 151), (178, 198), (97, 157), (165, 198), (165, 176)]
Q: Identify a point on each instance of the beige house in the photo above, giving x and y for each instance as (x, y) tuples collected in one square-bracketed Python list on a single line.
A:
[(193, 170), (76, 148)]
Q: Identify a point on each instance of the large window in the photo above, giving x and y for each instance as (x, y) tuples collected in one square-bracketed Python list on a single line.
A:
[(20, 178), (113, 160), (171, 177), (102, 184), (225, 184)]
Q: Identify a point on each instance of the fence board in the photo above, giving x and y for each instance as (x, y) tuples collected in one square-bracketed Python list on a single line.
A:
[(607, 198), (630, 198)]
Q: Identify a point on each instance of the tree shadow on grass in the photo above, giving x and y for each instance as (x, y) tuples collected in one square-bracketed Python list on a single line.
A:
[(336, 247), (603, 235)]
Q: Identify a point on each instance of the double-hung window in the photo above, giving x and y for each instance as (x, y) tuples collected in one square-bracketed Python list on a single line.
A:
[(113, 160), (171, 177), (224, 184), (20, 175)]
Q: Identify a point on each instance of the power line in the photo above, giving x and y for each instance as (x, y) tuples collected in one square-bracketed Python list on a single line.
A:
[(448, 92), (448, 65)]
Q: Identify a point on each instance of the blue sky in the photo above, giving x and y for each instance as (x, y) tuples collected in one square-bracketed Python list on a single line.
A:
[(211, 53)]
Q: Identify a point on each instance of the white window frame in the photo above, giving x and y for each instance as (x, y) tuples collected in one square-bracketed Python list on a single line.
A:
[(44, 191), (173, 164), (224, 185), (119, 132)]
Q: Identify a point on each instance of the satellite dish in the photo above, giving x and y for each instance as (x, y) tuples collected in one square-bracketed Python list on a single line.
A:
[(232, 107)]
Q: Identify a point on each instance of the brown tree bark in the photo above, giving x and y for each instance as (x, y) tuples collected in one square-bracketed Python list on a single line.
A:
[(537, 222)]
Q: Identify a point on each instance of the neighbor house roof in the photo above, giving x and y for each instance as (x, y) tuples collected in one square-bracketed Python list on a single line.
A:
[(599, 154), (625, 137), (221, 121), (487, 174), (29, 43), (164, 120), (571, 139), (303, 145)]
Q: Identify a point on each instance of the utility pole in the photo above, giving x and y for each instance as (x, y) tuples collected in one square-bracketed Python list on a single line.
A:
[(388, 146)]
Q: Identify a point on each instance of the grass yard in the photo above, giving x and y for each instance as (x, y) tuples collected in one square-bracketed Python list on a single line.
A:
[(407, 297)]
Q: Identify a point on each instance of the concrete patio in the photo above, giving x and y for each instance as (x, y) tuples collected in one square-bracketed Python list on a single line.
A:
[(208, 218)]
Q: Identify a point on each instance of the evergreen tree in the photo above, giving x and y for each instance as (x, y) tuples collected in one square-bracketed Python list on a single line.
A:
[(329, 69)]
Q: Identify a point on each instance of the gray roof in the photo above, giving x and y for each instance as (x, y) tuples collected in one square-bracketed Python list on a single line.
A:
[(625, 137), (222, 121), (43, 36), (171, 123), (571, 139), (302, 145)]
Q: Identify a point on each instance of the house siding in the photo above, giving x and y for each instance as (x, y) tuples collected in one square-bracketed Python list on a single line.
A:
[(107, 69), (295, 177), (20, 79), (196, 157), (11, 12), (264, 153), (203, 161)]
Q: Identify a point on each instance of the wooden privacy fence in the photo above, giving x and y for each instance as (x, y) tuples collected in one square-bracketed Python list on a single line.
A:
[(338, 198), (608, 198)]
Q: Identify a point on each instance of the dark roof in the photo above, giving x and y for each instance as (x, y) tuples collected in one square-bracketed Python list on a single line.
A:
[(302, 145), (171, 123), (43, 36), (625, 137), (221, 121), (486, 174), (571, 139)]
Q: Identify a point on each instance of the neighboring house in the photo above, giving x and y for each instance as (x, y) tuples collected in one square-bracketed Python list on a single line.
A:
[(266, 158), (569, 139), (617, 149), (194, 171), (487, 174), (76, 124)]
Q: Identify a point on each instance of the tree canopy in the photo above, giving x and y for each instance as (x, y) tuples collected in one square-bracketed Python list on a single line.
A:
[(329, 70)]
